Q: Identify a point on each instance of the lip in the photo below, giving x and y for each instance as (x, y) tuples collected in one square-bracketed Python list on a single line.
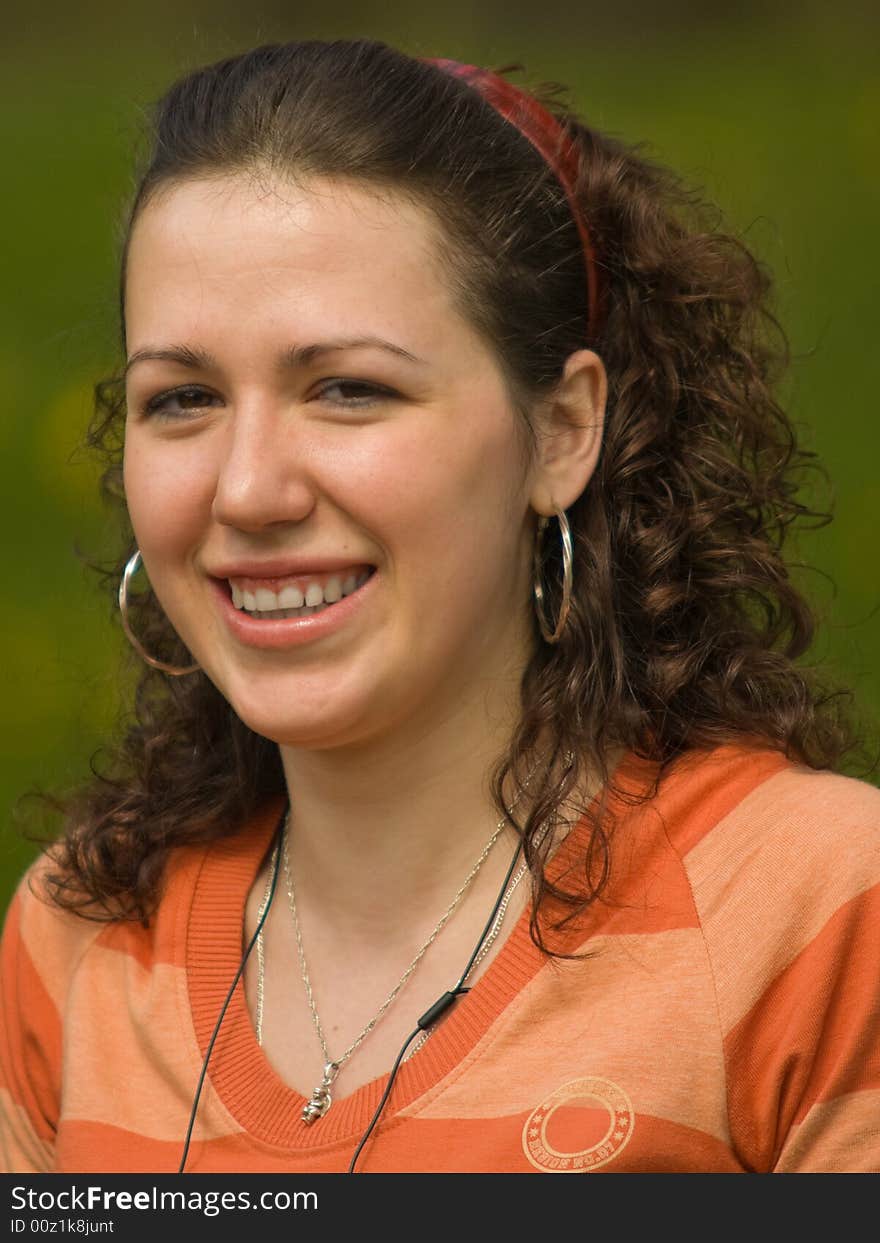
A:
[(287, 567), (285, 632)]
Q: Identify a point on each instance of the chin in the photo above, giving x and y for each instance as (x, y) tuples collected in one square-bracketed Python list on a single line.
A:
[(298, 721)]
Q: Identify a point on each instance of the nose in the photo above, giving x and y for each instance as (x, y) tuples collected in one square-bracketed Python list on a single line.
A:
[(263, 478)]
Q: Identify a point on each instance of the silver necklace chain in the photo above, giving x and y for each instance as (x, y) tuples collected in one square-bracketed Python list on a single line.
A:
[(490, 937), (261, 952), (320, 1100), (499, 920), (487, 944)]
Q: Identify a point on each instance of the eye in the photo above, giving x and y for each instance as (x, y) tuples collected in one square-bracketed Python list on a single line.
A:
[(179, 403), (356, 394)]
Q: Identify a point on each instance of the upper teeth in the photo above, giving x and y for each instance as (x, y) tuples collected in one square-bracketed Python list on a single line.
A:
[(264, 600)]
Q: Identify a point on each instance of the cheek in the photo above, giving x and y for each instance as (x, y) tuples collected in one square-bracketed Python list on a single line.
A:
[(458, 454), (166, 496), (456, 498)]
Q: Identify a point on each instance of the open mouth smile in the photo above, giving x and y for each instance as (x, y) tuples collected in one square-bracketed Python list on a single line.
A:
[(301, 596), (289, 610)]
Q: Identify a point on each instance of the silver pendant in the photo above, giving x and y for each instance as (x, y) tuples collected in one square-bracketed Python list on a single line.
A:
[(321, 1099)]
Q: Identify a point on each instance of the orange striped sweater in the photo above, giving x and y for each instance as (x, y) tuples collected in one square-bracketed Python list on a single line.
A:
[(726, 1019)]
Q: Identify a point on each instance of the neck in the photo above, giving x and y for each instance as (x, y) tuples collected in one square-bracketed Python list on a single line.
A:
[(407, 815)]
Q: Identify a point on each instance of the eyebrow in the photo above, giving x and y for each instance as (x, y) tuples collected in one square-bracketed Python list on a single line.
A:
[(296, 356)]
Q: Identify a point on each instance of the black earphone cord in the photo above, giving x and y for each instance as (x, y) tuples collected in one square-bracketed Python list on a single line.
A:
[(440, 1006), (232, 987), (428, 1019)]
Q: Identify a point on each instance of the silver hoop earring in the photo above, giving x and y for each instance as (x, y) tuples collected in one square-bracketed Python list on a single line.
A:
[(131, 568), (549, 634)]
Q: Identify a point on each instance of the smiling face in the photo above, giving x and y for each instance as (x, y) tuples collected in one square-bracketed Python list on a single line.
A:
[(324, 471)]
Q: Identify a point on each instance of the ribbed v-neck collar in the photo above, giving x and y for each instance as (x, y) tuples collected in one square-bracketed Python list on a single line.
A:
[(244, 1079)]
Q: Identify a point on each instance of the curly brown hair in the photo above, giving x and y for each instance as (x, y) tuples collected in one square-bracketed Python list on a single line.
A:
[(685, 625)]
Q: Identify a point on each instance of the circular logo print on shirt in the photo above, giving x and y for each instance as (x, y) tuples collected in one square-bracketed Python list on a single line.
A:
[(582, 1126)]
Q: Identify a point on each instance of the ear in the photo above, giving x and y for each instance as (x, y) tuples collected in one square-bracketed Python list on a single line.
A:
[(568, 426)]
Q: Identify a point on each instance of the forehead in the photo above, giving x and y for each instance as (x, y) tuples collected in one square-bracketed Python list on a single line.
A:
[(316, 248)]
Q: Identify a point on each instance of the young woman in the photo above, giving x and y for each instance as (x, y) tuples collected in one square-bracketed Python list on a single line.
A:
[(475, 815)]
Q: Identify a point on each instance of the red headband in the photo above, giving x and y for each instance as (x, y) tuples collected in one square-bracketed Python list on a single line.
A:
[(547, 136)]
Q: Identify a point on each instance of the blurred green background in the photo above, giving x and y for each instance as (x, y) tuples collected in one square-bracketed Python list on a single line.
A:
[(772, 109)]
